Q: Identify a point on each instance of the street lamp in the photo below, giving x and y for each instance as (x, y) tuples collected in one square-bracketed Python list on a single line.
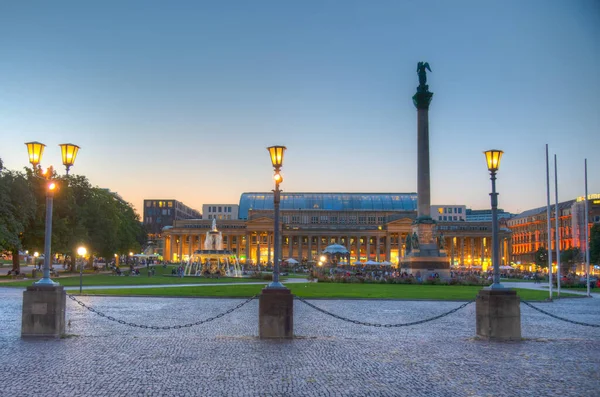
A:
[(493, 163), (276, 153), (35, 150), (68, 153), (81, 251)]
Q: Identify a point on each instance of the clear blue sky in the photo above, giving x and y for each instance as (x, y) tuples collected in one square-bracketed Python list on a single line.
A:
[(179, 99)]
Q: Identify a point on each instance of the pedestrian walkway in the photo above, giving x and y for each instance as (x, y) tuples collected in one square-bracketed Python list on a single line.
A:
[(328, 357), (544, 286)]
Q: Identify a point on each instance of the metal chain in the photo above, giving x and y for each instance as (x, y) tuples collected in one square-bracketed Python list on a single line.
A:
[(157, 326), (560, 318), (383, 325)]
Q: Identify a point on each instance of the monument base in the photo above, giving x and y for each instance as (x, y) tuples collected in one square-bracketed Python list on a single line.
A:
[(276, 314), (498, 315), (427, 262), (43, 311)]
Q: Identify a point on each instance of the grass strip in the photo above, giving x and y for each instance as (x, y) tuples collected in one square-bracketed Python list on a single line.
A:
[(327, 290)]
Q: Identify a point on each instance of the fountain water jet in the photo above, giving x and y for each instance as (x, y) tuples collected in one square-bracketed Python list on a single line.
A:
[(213, 258)]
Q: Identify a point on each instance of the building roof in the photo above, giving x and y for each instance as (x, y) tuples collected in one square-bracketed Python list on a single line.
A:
[(539, 210), (329, 201)]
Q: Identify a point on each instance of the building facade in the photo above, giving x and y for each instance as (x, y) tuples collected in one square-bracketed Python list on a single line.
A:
[(159, 213), (530, 228), (486, 215), (372, 226), (220, 211), (448, 213)]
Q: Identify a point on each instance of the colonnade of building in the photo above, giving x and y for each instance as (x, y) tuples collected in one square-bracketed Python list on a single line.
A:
[(252, 242)]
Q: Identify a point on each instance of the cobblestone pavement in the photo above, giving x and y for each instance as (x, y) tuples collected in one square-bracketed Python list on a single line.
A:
[(329, 357)]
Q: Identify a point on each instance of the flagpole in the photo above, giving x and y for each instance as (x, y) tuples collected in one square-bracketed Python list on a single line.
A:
[(587, 237), (557, 229), (549, 231)]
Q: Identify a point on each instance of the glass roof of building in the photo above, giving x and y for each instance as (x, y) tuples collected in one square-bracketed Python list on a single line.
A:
[(329, 201)]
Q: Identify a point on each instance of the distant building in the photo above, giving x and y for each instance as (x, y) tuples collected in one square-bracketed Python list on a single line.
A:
[(530, 228), (220, 211), (448, 213), (159, 213), (372, 226), (486, 215)]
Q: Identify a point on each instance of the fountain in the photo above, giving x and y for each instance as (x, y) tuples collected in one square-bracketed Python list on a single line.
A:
[(213, 259)]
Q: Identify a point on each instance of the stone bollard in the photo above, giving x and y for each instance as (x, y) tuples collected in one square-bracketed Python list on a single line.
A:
[(276, 314), (498, 315), (43, 311)]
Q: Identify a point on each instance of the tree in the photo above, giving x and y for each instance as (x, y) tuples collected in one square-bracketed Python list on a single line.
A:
[(595, 244), (541, 258), (17, 209), (82, 214), (569, 259)]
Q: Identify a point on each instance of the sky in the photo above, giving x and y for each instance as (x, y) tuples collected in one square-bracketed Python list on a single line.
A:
[(180, 99)]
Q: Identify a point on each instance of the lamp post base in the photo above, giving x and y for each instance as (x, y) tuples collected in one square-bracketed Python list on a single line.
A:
[(498, 315), (276, 314), (43, 311)]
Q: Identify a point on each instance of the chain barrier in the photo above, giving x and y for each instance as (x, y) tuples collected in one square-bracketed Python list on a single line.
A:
[(111, 318), (558, 317), (383, 325)]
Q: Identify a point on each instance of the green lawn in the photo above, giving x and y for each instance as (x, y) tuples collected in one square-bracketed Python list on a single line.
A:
[(328, 290)]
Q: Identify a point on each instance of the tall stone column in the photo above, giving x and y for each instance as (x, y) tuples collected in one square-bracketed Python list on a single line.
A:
[(190, 246), (318, 246), (462, 251), (377, 249), (472, 250), (425, 258), (180, 248), (269, 247), (309, 256), (482, 254), (368, 246), (248, 257), (452, 250), (388, 247), (423, 174)]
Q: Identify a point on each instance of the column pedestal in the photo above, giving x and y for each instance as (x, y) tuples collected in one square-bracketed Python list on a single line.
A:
[(276, 314), (43, 311), (498, 315)]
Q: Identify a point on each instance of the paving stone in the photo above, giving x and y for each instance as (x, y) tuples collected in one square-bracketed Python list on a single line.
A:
[(329, 357)]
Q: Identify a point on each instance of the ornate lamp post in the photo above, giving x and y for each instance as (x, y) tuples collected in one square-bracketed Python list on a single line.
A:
[(276, 153), (493, 163), (81, 251), (35, 150), (68, 153), (275, 302)]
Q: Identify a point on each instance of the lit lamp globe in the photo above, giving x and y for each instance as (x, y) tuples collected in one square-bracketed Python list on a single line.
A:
[(35, 150), (81, 251), (68, 153), (276, 153), (492, 158), (36, 254)]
